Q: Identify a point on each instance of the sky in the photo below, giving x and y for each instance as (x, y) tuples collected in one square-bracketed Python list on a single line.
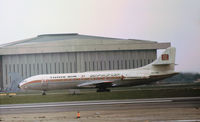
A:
[(175, 21)]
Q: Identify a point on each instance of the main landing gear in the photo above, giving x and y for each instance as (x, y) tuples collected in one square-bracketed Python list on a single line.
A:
[(43, 93), (102, 89)]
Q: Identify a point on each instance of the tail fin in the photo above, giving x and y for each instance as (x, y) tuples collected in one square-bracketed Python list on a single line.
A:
[(167, 57), (165, 63)]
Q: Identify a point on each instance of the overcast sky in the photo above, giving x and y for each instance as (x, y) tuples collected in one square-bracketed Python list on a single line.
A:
[(175, 21)]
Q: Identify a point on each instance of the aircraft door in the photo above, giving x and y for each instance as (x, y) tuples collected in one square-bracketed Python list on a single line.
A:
[(44, 84)]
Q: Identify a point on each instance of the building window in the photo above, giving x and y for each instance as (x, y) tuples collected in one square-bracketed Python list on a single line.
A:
[(71, 67), (18, 68), (117, 64), (6, 68), (50, 70), (13, 67), (55, 67), (75, 69), (129, 64), (67, 67), (109, 65), (122, 64), (42, 68), (26, 70), (85, 66), (9, 67), (125, 64), (133, 63), (101, 65), (89, 66), (46, 68), (137, 63), (59, 67), (63, 67), (104, 64), (30, 69), (141, 62), (34, 68), (113, 64), (97, 66), (144, 61), (93, 65), (149, 61), (22, 70), (38, 69)]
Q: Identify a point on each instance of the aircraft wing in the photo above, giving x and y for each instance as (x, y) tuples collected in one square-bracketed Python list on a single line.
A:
[(95, 83)]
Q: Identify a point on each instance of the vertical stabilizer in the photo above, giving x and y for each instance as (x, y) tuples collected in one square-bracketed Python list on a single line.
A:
[(167, 57)]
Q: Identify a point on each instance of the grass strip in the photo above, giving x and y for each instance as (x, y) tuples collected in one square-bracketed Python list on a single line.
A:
[(114, 95)]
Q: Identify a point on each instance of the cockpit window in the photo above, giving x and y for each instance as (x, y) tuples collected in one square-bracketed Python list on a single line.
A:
[(24, 81)]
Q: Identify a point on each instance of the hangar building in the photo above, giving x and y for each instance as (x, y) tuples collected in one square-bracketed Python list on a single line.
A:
[(70, 53)]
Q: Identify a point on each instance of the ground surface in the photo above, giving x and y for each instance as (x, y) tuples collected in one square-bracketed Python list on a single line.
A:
[(115, 94), (157, 110)]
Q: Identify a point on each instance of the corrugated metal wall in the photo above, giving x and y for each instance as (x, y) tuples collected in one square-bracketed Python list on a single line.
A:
[(1, 73), (33, 64)]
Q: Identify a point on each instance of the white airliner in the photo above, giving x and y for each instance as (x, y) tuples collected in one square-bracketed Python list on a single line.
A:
[(160, 69)]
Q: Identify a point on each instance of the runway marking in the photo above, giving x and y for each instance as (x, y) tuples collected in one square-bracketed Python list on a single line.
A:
[(179, 121), (188, 120), (99, 102), (82, 103)]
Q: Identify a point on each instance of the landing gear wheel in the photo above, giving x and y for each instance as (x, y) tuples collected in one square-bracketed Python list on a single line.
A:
[(43, 93), (103, 90)]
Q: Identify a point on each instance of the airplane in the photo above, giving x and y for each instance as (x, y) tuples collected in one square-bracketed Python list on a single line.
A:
[(161, 68)]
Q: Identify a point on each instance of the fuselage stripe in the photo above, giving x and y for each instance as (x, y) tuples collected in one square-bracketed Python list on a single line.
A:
[(71, 79)]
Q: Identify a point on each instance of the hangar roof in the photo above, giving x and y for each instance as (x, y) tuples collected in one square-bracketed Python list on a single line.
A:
[(73, 42)]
